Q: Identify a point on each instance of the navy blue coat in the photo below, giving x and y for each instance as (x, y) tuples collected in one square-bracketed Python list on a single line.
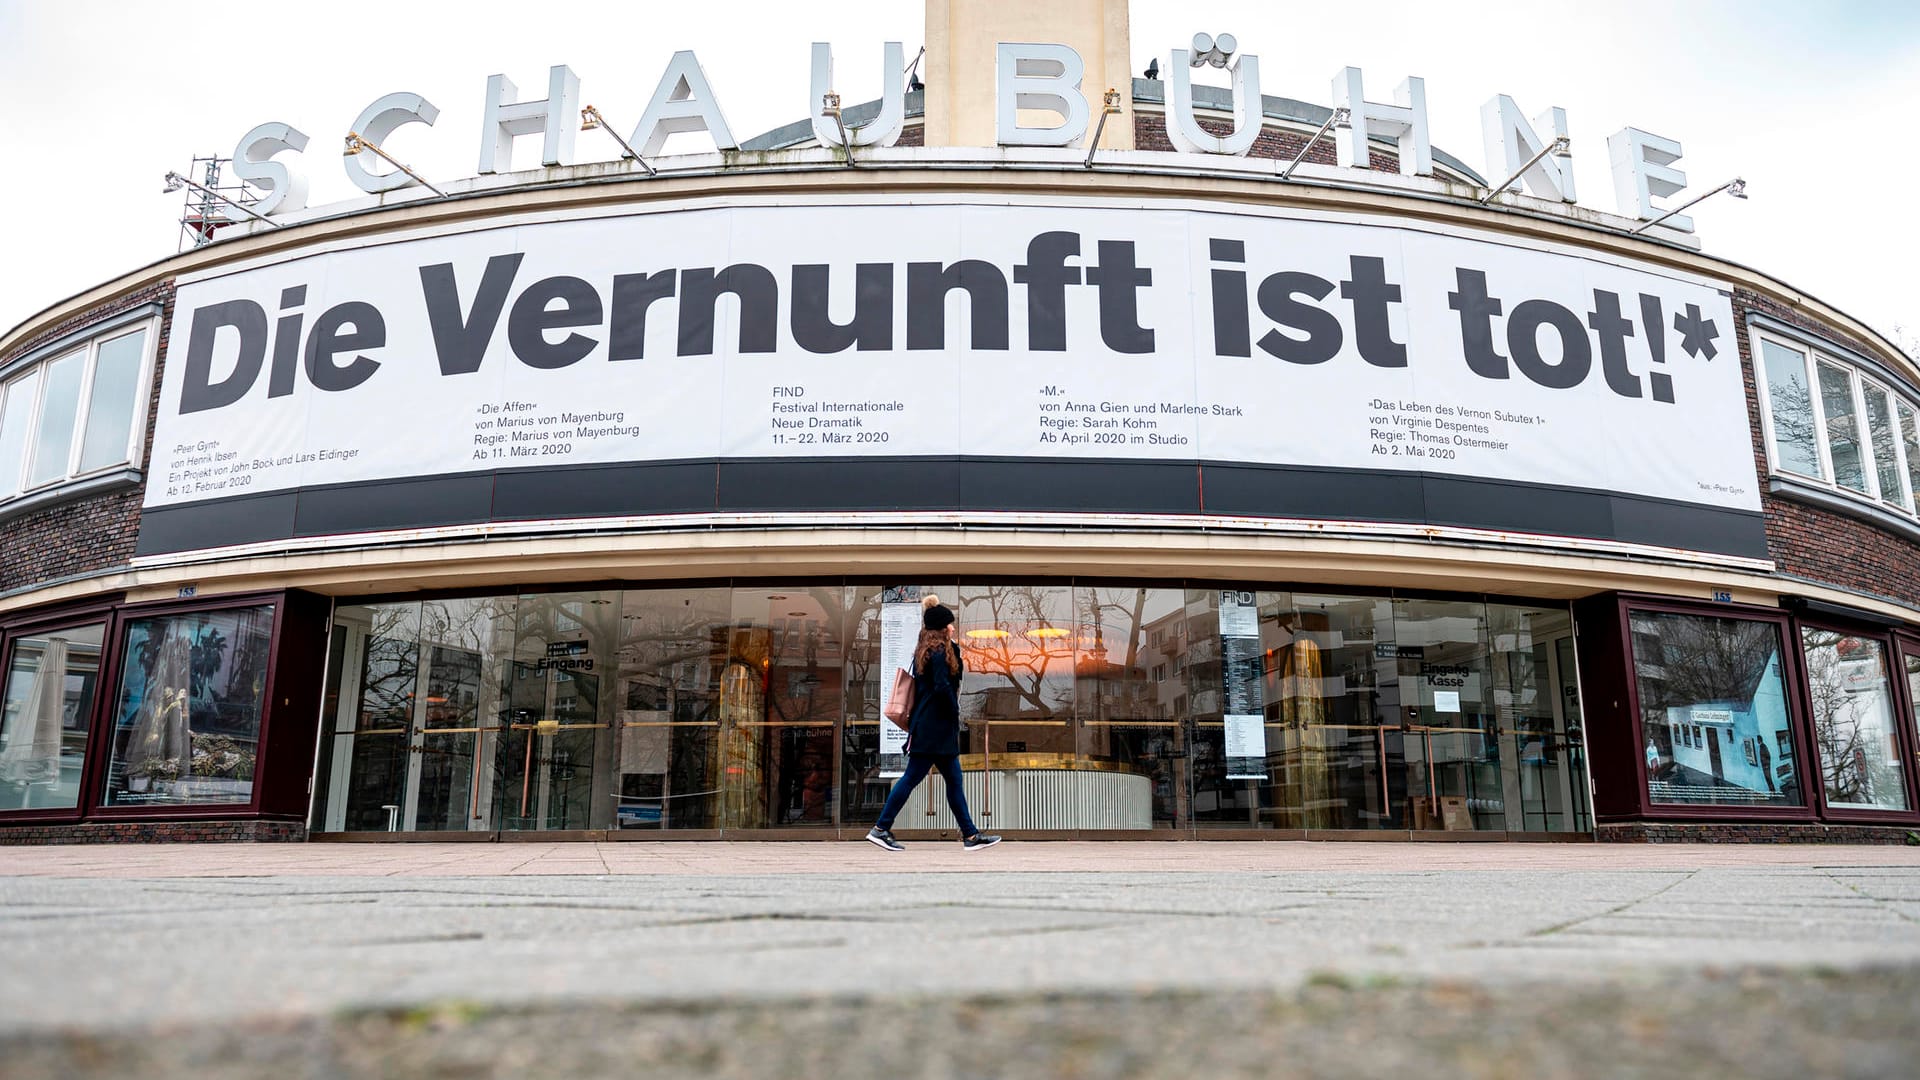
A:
[(934, 725)]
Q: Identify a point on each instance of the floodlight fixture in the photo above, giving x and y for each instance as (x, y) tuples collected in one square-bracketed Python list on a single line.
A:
[(175, 182), (830, 106), (356, 144), (1109, 106), (1735, 187), (1559, 147), (591, 120), (1339, 117), (913, 69)]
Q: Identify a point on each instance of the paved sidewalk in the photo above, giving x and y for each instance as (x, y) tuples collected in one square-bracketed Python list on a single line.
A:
[(132, 960), (519, 858)]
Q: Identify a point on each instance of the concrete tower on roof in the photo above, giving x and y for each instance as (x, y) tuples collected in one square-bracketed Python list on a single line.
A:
[(962, 37)]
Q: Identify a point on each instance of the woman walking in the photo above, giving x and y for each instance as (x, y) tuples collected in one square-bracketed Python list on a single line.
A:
[(933, 729)]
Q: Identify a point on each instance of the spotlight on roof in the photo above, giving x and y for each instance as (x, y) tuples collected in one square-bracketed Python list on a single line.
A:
[(1558, 148), (1735, 187), (591, 120), (830, 106), (1109, 106), (913, 71), (356, 144), (1340, 117)]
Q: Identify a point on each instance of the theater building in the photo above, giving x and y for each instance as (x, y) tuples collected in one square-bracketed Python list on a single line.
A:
[(1287, 480)]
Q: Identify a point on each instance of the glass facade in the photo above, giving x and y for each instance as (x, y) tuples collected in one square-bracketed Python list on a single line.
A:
[(186, 716), (1086, 706), (1714, 720), (50, 684), (1093, 706)]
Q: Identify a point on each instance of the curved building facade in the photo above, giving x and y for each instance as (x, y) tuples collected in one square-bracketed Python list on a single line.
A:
[(1275, 496)]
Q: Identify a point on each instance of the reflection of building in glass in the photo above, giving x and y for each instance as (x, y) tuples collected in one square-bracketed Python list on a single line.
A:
[(1726, 742), (1715, 715)]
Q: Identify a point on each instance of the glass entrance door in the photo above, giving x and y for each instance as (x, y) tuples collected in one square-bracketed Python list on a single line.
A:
[(1539, 745), (781, 700), (411, 694), (546, 749), (446, 730), (1548, 781)]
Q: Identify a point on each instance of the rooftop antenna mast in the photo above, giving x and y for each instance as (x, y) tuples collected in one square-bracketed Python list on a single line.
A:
[(203, 212)]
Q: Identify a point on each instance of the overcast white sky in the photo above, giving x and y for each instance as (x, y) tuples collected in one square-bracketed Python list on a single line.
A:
[(1814, 104)]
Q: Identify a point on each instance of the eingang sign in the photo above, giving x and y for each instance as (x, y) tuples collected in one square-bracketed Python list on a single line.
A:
[(854, 356)]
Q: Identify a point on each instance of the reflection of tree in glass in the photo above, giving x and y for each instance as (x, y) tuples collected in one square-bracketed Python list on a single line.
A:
[(1880, 432), (464, 624), (1843, 427), (543, 620), (1130, 603), (209, 652), (661, 637), (1791, 403), (246, 674), (1119, 690), (1020, 657), (1852, 763), (1701, 660), (863, 652), (390, 669)]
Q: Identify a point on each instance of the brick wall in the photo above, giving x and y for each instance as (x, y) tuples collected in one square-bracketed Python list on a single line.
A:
[(93, 533), (154, 832), (1150, 133), (1644, 832), (1809, 541)]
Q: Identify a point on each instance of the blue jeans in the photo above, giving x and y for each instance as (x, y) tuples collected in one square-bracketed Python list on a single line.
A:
[(918, 766)]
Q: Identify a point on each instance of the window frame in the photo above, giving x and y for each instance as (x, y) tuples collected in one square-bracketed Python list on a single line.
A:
[(1906, 703), (100, 752), (1793, 681), (1862, 382), (1904, 734), (101, 611), (1860, 375), (1821, 451), (1870, 482), (85, 343)]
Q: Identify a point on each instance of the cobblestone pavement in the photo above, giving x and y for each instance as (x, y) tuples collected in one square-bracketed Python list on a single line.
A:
[(1104, 959)]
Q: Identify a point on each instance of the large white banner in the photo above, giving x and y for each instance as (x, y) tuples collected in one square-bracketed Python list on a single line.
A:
[(1018, 331)]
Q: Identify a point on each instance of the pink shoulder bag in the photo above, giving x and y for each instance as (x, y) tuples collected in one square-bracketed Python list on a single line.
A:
[(900, 699)]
